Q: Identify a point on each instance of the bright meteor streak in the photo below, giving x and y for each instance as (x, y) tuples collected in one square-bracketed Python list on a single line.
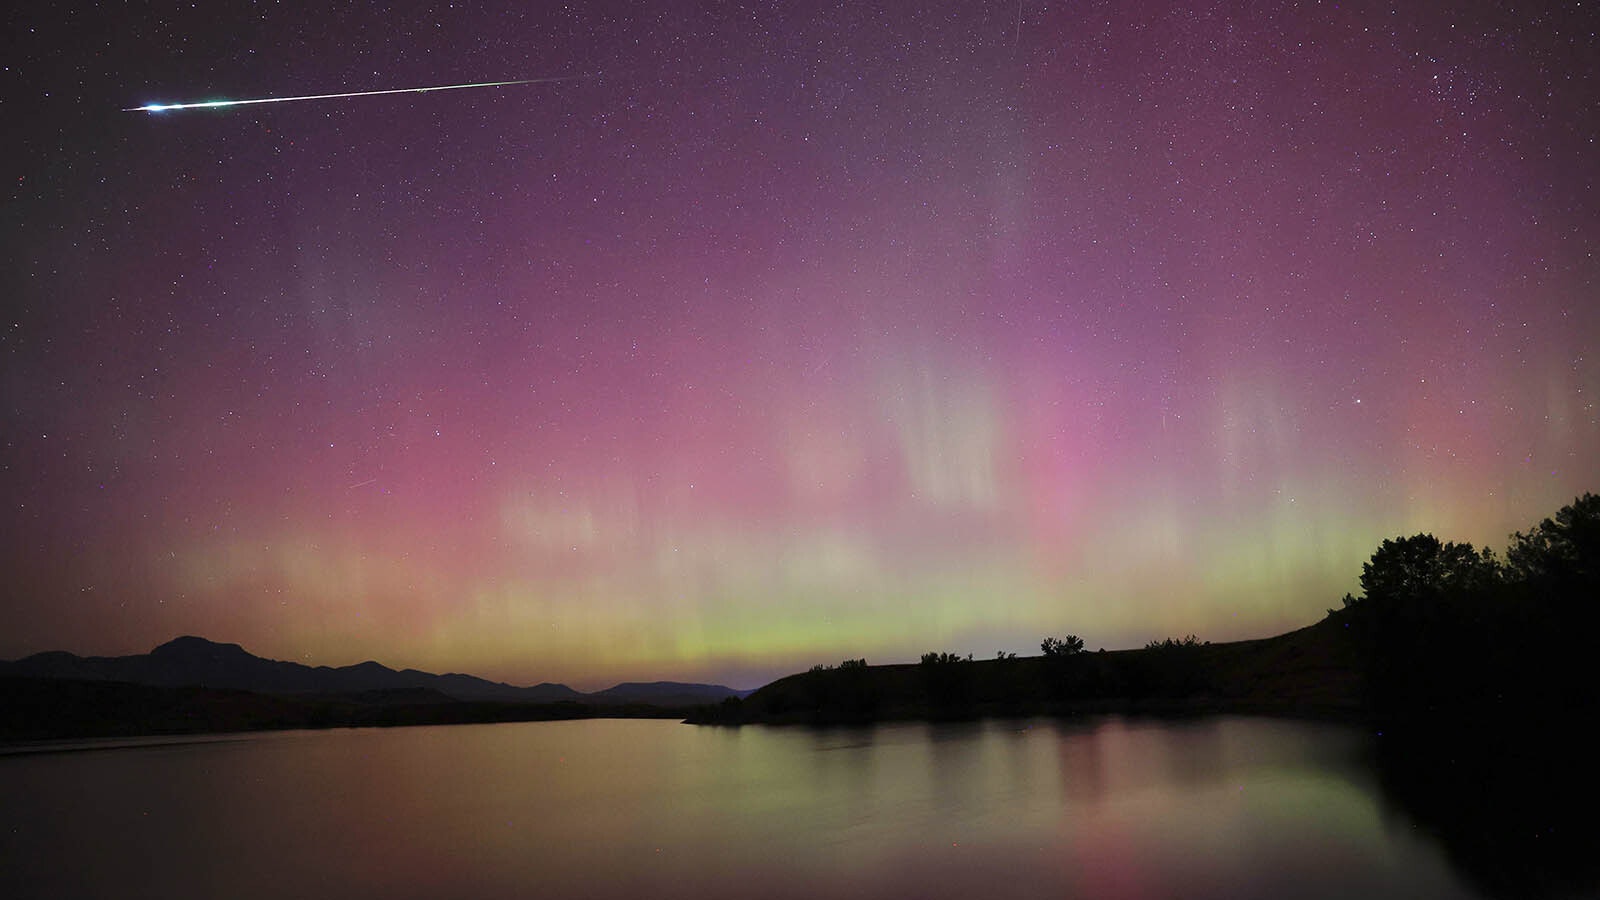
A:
[(219, 104)]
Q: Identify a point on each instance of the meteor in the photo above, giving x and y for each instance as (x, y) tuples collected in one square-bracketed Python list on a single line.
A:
[(220, 104)]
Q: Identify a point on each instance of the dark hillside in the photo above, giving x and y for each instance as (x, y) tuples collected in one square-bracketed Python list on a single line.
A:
[(1311, 672)]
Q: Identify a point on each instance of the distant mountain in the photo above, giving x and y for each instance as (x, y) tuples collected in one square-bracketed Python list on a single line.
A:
[(664, 693), (193, 661)]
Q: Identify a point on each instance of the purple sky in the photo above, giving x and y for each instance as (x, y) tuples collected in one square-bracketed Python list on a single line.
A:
[(792, 333)]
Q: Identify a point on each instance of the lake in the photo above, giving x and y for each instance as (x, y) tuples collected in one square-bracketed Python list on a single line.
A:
[(1103, 808)]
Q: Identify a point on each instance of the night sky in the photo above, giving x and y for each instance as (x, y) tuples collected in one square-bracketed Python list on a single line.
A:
[(785, 333)]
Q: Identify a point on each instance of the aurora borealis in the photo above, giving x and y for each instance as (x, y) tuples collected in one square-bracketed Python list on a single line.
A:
[(798, 332)]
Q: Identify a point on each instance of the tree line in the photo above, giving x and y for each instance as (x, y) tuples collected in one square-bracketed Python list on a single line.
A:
[(1450, 631)]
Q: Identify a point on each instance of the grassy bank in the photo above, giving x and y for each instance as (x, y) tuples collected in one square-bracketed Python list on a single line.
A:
[(1314, 671)]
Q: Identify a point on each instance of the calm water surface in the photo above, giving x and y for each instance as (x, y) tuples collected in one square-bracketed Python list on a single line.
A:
[(1228, 807)]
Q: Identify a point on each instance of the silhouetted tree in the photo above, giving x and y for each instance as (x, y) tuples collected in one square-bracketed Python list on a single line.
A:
[(1562, 549), (1168, 669), (1066, 646), (1553, 572), (842, 693), (1476, 671), (1412, 570), (1184, 642), (947, 682), (1436, 629)]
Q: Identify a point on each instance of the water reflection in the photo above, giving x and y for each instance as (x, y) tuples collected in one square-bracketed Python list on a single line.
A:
[(1513, 806), (1111, 808)]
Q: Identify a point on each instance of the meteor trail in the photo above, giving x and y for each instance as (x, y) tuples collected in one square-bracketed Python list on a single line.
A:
[(219, 104)]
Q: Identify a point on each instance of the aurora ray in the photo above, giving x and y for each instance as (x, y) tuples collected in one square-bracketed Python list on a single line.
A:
[(219, 104)]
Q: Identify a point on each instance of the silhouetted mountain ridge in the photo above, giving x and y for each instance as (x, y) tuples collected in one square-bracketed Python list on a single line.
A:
[(195, 661), (664, 693)]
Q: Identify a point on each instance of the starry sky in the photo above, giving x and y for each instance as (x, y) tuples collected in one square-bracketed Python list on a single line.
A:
[(782, 332)]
